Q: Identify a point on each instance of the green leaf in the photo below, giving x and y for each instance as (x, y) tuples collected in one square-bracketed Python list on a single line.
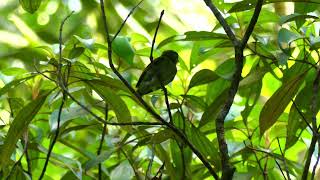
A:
[(277, 103), (122, 47), (285, 38), (203, 76), (294, 17), (250, 4), (193, 36), (76, 52), (98, 159), (122, 171), (30, 6), (13, 71), (13, 84), (114, 100), (66, 115), (18, 127), (211, 113)]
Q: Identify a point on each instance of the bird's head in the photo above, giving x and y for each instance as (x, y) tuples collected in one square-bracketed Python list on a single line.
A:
[(172, 55)]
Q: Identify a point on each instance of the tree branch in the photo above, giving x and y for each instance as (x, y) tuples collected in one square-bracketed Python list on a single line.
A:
[(223, 22), (252, 24)]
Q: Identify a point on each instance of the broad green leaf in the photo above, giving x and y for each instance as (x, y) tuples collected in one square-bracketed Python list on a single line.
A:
[(195, 101), (76, 52), (253, 77), (67, 114), (277, 103), (211, 113), (13, 84), (285, 38), (14, 71), (122, 47), (314, 43), (203, 76), (250, 4), (88, 43), (122, 171), (193, 36), (98, 159), (114, 100), (30, 6), (18, 127)]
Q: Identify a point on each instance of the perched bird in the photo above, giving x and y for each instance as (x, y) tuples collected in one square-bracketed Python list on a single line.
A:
[(162, 69)]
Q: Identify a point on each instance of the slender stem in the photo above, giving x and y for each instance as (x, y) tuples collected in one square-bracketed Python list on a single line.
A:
[(252, 24), (61, 82), (155, 35), (104, 130), (124, 22), (284, 160)]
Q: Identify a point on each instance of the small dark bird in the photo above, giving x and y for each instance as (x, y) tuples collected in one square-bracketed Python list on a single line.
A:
[(162, 69)]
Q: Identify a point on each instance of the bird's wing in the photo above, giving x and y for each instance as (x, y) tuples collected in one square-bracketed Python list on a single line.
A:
[(144, 74)]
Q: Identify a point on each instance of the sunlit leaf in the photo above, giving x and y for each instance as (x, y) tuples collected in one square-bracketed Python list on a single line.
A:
[(122, 47)]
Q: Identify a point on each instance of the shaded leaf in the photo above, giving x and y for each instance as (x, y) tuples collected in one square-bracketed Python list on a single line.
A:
[(30, 6), (18, 127), (203, 76), (277, 103)]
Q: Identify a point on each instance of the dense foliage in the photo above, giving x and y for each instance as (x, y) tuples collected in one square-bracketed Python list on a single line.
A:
[(243, 104)]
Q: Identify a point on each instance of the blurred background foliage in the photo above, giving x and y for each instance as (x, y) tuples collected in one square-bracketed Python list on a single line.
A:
[(278, 67)]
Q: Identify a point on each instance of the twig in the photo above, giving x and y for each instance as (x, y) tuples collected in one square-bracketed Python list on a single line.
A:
[(147, 107), (280, 169), (124, 22), (284, 160), (316, 164), (150, 164), (155, 35), (60, 82), (315, 137), (102, 139), (252, 24)]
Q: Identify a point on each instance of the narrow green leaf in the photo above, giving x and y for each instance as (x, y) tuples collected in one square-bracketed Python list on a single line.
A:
[(277, 103), (76, 52), (193, 36), (285, 38), (250, 4), (18, 126), (294, 17), (203, 76), (114, 100), (13, 84), (211, 113)]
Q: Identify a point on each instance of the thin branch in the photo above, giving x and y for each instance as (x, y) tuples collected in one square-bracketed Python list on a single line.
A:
[(60, 82), (284, 160), (315, 137), (252, 24), (223, 22), (102, 140), (124, 22), (155, 35), (316, 164), (150, 164), (284, 177), (148, 108)]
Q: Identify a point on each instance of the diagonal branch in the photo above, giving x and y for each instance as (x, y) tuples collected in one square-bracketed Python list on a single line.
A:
[(222, 21), (252, 24)]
